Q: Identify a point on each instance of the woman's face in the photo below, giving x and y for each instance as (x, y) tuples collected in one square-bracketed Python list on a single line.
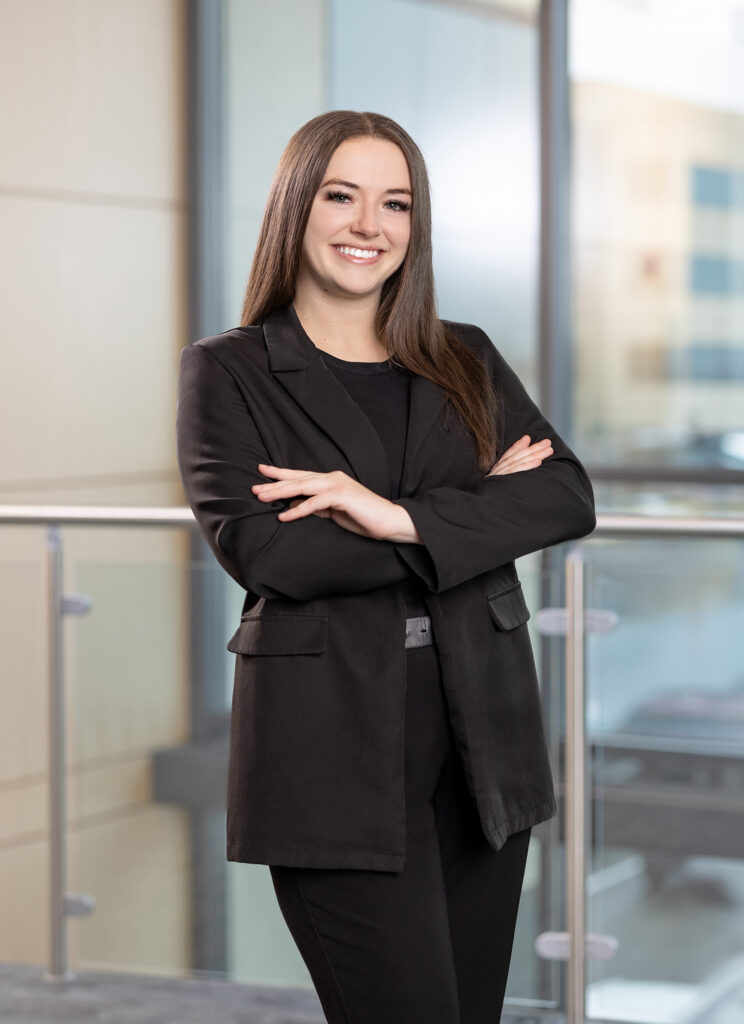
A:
[(359, 227)]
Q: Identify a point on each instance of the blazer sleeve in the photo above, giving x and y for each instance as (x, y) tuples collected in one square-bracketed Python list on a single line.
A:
[(219, 448), (469, 531)]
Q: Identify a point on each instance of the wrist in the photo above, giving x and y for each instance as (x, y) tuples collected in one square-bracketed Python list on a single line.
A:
[(404, 530)]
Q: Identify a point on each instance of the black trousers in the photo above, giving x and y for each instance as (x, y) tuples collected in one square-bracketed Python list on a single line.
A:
[(430, 944)]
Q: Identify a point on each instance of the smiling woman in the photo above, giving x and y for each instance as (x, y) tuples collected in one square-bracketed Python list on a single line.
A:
[(356, 221), (387, 752)]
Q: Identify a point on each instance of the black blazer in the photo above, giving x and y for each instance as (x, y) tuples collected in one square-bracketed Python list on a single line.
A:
[(315, 773)]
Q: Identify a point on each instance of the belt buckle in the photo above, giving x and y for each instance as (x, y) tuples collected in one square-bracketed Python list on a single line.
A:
[(418, 631)]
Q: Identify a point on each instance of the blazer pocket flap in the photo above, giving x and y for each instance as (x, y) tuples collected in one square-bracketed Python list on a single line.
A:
[(280, 634), (509, 608)]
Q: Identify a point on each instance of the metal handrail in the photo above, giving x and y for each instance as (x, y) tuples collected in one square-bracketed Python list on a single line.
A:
[(96, 515), (54, 516), (680, 526), (145, 515)]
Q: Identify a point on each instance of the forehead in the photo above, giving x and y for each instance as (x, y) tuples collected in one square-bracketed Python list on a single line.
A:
[(370, 163)]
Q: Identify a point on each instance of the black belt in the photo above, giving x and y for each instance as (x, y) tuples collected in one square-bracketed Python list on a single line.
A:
[(419, 631)]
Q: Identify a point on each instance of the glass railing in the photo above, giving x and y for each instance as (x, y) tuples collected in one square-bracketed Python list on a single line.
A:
[(118, 651), (665, 780)]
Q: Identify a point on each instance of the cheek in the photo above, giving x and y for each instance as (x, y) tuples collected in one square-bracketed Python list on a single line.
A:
[(316, 237), (325, 220), (312, 230)]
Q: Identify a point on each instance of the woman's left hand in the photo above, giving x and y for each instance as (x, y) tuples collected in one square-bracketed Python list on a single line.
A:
[(336, 496)]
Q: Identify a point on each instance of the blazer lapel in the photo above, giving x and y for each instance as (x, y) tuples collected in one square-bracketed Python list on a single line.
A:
[(296, 362), (427, 401)]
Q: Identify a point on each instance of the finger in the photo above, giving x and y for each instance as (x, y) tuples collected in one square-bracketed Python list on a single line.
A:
[(518, 464), (540, 451), (524, 461), (537, 447), (519, 449), (314, 504), (282, 472), (522, 466), (304, 485), (519, 444), (508, 465)]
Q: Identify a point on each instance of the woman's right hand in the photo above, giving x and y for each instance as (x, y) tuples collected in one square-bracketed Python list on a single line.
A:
[(522, 455)]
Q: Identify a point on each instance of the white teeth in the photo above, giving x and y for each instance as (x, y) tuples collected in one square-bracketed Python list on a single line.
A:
[(364, 254)]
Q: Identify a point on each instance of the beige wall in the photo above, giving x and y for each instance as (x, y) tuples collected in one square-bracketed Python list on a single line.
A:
[(93, 297)]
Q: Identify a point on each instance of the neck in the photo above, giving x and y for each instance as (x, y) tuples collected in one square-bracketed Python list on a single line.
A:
[(344, 327)]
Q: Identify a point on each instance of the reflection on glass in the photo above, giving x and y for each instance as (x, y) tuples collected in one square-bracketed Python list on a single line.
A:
[(665, 723), (658, 231)]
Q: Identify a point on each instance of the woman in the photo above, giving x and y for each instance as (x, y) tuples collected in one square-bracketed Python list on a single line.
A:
[(387, 751)]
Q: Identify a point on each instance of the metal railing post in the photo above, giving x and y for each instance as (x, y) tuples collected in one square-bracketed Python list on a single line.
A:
[(575, 787), (57, 809)]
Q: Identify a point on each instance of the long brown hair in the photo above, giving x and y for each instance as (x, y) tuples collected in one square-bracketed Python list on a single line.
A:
[(407, 323)]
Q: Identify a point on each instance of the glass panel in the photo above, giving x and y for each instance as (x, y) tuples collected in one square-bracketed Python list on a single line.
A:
[(670, 499), (274, 81), (128, 687), (665, 724), (146, 793), (533, 981), (148, 726), (658, 231), (463, 82), (24, 752)]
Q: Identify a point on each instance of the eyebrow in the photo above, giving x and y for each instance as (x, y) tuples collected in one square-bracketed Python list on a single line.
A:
[(350, 184)]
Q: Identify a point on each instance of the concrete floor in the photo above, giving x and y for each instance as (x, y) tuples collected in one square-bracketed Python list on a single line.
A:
[(95, 997), (101, 997)]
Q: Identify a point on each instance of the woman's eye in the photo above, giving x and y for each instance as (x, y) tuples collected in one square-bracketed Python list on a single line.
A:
[(399, 205), (396, 205)]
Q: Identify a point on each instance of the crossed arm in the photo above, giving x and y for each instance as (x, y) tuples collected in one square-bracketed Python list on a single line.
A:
[(354, 507), (219, 450), (338, 536)]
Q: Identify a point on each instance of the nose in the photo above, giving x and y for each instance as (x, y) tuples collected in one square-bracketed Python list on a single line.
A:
[(365, 222)]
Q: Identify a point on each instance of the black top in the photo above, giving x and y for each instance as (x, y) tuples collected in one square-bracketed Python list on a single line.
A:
[(381, 390)]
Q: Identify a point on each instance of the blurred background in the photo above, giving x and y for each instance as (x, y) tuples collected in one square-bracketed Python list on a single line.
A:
[(587, 168)]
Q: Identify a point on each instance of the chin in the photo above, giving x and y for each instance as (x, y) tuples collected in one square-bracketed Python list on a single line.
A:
[(348, 289)]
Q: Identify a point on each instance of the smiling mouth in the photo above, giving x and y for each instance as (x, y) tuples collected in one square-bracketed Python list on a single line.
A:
[(358, 254)]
